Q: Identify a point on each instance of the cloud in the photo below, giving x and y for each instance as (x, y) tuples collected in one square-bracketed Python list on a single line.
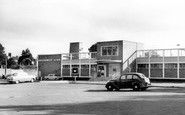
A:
[(41, 23)]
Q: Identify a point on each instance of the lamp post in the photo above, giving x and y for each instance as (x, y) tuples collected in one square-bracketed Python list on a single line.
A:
[(6, 59), (178, 61)]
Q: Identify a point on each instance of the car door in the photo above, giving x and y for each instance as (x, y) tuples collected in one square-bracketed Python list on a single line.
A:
[(122, 82), (129, 81)]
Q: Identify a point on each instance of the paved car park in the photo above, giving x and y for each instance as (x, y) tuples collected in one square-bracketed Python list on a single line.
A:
[(80, 98)]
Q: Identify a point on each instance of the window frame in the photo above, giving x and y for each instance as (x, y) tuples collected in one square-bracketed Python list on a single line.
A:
[(112, 50)]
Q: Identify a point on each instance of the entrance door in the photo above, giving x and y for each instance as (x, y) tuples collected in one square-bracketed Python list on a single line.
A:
[(101, 71)]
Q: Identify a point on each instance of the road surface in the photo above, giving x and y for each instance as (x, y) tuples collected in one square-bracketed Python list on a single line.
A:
[(88, 99)]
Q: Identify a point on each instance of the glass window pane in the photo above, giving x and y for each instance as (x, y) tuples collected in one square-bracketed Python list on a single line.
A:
[(143, 66), (66, 66), (129, 76), (123, 77), (171, 66), (85, 66), (182, 65), (115, 50), (156, 66), (75, 66), (135, 77), (109, 50), (104, 51)]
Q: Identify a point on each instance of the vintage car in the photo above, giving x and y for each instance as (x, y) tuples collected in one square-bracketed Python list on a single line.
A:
[(51, 77), (20, 77), (136, 81)]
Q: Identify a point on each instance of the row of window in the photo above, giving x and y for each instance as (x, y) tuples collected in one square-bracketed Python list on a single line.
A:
[(161, 53), (105, 51), (160, 66), (129, 77), (78, 66)]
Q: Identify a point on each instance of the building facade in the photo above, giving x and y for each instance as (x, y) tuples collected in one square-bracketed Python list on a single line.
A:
[(111, 59), (161, 63), (104, 64)]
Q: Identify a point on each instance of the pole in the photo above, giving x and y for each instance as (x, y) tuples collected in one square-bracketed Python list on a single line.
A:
[(5, 66)]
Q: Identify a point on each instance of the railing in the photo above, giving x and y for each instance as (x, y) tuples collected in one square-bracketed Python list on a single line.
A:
[(161, 53), (73, 56), (126, 63)]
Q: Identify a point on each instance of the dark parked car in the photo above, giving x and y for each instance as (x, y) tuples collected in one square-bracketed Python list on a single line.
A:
[(136, 81)]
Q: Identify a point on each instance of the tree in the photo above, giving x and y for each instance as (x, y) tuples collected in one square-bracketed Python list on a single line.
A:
[(2, 55), (93, 48), (26, 58), (12, 63)]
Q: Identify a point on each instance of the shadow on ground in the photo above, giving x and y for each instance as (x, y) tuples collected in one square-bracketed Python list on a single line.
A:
[(152, 106)]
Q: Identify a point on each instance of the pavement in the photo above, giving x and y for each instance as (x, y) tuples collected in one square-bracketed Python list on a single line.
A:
[(165, 84), (155, 84)]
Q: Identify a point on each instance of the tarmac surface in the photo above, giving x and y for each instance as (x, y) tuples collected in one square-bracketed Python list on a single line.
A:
[(89, 98)]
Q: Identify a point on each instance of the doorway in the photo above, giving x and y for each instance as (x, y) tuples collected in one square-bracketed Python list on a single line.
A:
[(101, 70)]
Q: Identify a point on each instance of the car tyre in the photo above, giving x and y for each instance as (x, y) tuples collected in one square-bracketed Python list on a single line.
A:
[(110, 88), (136, 87)]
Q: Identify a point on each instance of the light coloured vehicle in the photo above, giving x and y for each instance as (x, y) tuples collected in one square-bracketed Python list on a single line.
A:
[(51, 77), (20, 77)]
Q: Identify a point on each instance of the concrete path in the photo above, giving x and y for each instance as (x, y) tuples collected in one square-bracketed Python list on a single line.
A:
[(170, 85)]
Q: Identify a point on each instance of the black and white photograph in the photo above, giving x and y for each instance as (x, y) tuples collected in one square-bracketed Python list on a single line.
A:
[(92, 57)]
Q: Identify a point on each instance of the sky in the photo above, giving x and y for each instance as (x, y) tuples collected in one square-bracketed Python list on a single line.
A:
[(48, 26)]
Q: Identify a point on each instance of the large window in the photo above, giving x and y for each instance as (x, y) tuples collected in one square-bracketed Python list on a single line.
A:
[(156, 66), (85, 66), (182, 65), (142, 66), (109, 51), (66, 66)]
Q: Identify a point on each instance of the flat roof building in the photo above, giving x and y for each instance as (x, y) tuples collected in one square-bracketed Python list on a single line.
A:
[(111, 59)]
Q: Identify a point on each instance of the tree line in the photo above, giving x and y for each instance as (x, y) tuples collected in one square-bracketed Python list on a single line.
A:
[(25, 59)]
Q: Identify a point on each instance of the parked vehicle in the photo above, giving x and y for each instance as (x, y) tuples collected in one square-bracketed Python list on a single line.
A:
[(51, 77), (20, 77), (136, 81)]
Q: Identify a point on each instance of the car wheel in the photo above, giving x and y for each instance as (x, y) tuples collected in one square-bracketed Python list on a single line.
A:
[(32, 80), (56, 79), (110, 88), (136, 87)]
